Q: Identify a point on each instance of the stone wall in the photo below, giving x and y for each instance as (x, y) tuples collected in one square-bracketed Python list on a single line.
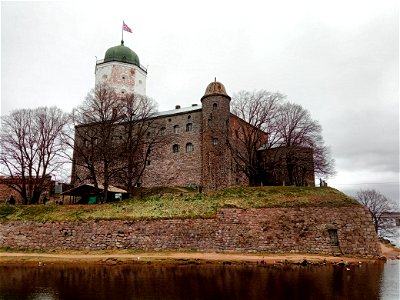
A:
[(216, 155), (296, 230), (180, 168)]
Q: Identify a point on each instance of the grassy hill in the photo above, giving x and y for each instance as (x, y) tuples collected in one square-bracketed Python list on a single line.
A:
[(180, 203)]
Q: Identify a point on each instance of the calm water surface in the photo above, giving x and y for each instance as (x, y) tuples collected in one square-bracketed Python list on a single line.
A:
[(368, 281)]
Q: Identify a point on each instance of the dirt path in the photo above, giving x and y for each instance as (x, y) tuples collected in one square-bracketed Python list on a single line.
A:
[(390, 252), (116, 257)]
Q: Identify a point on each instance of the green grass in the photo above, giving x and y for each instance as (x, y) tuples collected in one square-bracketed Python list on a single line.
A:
[(180, 204)]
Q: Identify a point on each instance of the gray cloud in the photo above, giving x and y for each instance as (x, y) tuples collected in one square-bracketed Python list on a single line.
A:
[(339, 60)]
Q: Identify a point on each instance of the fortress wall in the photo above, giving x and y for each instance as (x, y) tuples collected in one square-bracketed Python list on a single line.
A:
[(181, 168), (296, 230)]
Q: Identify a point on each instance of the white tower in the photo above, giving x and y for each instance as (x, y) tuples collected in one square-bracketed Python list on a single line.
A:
[(121, 69)]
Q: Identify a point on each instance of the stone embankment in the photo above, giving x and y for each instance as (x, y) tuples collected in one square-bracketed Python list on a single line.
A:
[(323, 230)]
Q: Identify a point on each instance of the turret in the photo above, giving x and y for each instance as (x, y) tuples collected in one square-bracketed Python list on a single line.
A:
[(216, 155)]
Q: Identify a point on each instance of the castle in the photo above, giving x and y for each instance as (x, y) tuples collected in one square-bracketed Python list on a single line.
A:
[(197, 151)]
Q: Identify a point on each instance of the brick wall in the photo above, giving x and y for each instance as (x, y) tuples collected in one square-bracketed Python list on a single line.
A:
[(303, 230)]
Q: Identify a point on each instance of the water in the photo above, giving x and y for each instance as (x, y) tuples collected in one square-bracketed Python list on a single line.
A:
[(368, 281)]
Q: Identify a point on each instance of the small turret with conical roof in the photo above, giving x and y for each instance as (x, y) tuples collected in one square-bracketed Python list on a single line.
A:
[(215, 88), (216, 159)]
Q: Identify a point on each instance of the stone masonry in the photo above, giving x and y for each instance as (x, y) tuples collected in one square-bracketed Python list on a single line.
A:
[(342, 230)]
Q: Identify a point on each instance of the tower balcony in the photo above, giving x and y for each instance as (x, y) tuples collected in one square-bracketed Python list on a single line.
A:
[(104, 61)]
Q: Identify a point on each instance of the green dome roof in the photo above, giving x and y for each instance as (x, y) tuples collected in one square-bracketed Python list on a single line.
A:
[(122, 54)]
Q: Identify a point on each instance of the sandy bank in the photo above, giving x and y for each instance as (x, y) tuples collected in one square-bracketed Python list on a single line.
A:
[(117, 257)]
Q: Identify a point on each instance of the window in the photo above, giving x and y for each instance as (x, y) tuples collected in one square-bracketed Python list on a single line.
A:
[(176, 129), (189, 127), (189, 116), (148, 163), (175, 148), (189, 147), (123, 91), (162, 131), (123, 77), (215, 105), (215, 141)]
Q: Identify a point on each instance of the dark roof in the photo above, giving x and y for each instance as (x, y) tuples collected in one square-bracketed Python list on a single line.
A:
[(88, 188)]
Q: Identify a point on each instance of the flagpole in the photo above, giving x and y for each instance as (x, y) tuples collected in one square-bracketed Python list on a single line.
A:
[(122, 40)]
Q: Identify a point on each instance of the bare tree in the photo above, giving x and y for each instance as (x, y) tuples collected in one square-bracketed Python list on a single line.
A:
[(140, 136), (32, 149), (260, 110), (296, 130), (114, 136), (377, 204), (282, 144), (96, 137)]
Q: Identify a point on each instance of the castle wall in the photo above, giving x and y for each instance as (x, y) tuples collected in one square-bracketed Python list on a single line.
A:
[(341, 230), (180, 168)]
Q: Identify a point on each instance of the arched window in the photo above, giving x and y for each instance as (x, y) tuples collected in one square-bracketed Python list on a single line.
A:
[(215, 105), (176, 129), (162, 131), (189, 147), (215, 141), (189, 127), (175, 148)]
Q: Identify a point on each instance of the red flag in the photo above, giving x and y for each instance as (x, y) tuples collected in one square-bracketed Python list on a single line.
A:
[(126, 28)]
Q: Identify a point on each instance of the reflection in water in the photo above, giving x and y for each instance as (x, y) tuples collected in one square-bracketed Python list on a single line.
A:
[(390, 285), (194, 282)]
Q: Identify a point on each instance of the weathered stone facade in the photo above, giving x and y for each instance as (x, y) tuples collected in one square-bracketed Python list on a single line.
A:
[(198, 140), (287, 166), (194, 150), (217, 163), (176, 163), (341, 230)]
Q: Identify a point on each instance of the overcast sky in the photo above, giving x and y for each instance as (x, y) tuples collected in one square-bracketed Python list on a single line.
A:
[(338, 59)]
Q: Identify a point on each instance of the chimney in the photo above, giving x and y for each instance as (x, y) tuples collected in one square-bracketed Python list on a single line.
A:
[(177, 106), (194, 104)]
